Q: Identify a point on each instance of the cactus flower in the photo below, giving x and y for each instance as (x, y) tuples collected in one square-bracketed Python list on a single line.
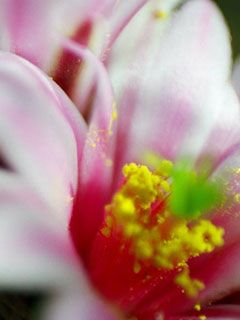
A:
[(129, 210)]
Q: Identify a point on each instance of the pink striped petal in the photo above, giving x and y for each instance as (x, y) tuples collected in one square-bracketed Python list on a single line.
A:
[(34, 251), (138, 42), (96, 167), (36, 255), (122, 13), (25, 25), (176, 98), (131, 22), (97, 31), (220, 273), (30, 29), (35, 136), (74, 119)]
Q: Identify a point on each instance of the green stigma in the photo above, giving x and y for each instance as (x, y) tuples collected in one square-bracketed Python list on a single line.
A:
[(192, 194)]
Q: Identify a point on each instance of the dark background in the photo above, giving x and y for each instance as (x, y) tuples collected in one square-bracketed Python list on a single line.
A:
[(231, 11)]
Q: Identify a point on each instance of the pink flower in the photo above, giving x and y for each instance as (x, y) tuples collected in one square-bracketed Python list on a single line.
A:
[(36, 32), (71, 222)]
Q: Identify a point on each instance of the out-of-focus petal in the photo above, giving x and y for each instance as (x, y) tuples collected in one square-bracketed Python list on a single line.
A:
[(222, 131), (35, 253), (151, 18), (122, 13), (81, 303), (96, 167), (25, 27), (129, 48), (31, 28), (98, 31), (219, 272), (128, 61), (36, 138), (180, 102), (74, 119)]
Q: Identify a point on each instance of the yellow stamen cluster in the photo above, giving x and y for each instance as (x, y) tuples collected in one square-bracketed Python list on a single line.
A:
[(190, 286), (139, 211), (186, 241)]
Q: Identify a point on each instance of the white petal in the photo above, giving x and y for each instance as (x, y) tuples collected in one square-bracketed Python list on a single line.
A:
[(35, 136), (34, 251), (81, 303), (178, 96), (31, 28)]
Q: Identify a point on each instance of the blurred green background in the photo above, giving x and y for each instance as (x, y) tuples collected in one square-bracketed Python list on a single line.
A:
[(231, 11)]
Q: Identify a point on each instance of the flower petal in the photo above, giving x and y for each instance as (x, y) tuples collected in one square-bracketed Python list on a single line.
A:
[(96, 167), (218, 312), (219, 271), (34, 252), (137, 15), (81, 303), (31, 29), (121, 15), (35, 136), (28, 29), (180, 103)]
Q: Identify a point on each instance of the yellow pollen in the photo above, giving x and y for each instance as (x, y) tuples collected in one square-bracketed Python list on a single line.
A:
[(106, 232), (141, 184), (237, 197), (144, 249), (136, 267), (160, 14), (139, 212), (197, 307), (163, 167), (190, 286), (114, 115), (202, 317), (237, 170)]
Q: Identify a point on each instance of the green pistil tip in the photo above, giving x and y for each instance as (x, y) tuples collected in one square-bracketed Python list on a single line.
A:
[(192, 194)]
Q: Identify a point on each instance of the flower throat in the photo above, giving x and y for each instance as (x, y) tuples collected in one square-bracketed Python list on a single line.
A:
[(159, 214)]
